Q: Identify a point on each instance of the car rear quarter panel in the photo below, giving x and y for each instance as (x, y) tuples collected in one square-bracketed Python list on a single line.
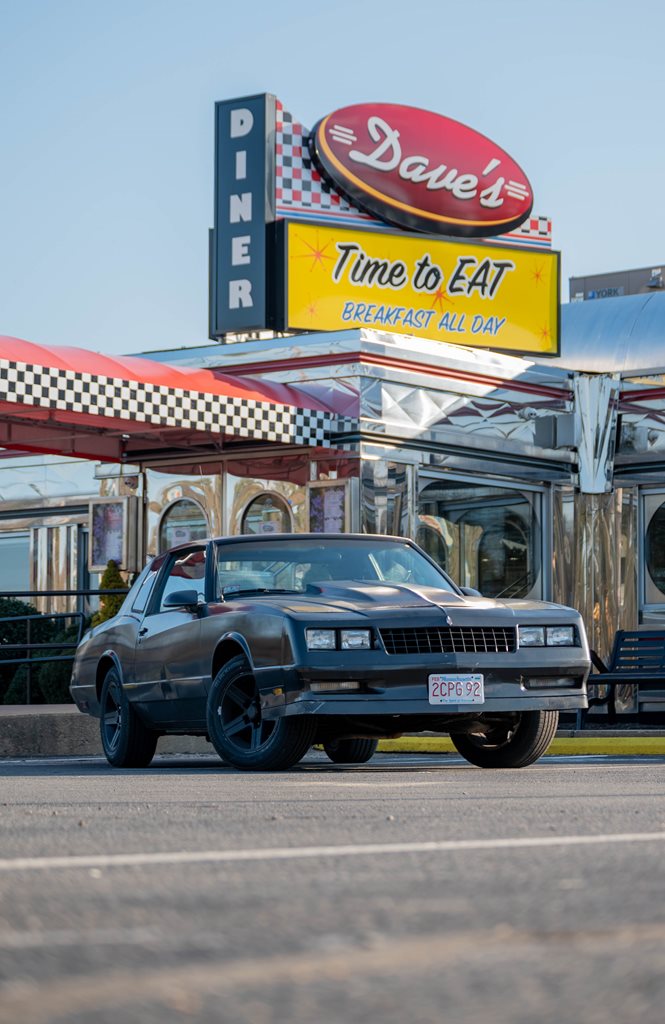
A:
[(116, 638)]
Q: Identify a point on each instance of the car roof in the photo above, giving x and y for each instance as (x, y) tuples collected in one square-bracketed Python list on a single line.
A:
[(275, 538)]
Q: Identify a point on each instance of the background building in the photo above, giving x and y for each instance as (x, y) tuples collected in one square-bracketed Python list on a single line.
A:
[(616, 284)]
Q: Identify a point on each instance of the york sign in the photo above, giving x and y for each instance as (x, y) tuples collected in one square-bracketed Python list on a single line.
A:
[(421, 171)]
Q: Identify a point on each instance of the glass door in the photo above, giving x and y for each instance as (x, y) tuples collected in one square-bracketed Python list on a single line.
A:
[(486, 536), (652, 557)]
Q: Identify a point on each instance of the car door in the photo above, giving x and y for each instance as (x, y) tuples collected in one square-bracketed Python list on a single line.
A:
[(168, 669)]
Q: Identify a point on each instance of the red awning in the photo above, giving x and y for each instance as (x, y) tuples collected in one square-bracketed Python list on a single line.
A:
[(124, 408)]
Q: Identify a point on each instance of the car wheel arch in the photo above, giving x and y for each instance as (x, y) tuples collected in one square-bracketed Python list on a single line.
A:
[(230, 646), (108, 660)]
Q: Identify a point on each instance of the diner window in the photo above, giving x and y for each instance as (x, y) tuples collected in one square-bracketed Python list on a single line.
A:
[(486, 537), (431, 540), (182, 522), (15, 560), (503, 558), (267, 514), (655, 551)]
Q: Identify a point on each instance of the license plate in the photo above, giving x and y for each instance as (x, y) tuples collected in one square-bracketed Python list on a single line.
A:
[(456, 689)]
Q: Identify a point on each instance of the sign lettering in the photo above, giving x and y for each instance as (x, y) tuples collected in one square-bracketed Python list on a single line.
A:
[(244, 204), (455, 291), (421, 171)]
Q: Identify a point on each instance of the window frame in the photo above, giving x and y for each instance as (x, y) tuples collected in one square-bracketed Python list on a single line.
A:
[(164, 516), (154, 604), (281, 501), (541, 506)]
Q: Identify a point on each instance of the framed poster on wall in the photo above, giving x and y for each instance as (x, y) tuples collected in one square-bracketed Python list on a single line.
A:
[(328, 509), (113, 532)]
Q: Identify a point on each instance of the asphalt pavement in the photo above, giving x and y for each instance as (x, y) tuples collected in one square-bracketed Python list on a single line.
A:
[(411, 890)]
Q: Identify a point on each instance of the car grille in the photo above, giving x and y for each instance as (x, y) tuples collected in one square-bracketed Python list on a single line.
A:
[(453, 640)]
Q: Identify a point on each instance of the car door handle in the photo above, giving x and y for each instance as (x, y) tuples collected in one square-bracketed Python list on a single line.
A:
[(142, 632)]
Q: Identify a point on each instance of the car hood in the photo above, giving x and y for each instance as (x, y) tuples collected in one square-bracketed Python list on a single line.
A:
[(370, 599)]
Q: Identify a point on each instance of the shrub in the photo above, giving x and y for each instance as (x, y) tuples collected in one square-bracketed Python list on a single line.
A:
[(49, 682), (17, 691), (13, 633), (54, 676), (112, 579)]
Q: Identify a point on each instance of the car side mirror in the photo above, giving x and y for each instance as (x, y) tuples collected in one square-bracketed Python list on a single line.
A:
[(182, 599), (470, 592)]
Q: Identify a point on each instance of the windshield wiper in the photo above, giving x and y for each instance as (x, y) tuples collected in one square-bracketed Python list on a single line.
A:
[(232, 592)]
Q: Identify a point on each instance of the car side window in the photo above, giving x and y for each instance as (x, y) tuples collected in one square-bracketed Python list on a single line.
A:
[(186, 571), (141, 600)]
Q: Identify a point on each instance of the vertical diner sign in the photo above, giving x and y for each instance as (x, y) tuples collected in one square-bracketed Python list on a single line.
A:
[(283, 257), (244, 204)]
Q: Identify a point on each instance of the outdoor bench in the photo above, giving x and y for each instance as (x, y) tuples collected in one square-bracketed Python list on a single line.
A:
[(637, 659)]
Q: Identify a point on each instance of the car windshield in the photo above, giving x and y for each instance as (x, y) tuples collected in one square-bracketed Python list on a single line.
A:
[(295, 564)]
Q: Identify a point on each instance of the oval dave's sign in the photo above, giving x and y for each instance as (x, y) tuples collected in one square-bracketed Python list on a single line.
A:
[(421, 171)]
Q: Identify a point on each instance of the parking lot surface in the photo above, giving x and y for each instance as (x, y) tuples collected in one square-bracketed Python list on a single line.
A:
[(412, 889)]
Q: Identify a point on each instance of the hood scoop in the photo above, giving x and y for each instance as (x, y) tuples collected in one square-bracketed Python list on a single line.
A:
[(403, 595)]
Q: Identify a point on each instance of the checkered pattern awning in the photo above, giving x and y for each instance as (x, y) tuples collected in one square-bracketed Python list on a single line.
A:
[(235, 409)]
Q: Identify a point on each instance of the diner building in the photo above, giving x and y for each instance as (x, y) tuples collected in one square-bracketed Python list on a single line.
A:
[(387, 356), (521, 479)]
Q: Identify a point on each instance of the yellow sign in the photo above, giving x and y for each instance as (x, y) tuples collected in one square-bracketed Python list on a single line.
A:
[(465, 293)]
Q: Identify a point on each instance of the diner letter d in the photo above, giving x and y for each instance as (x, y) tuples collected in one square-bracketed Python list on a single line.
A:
[(242, 122)]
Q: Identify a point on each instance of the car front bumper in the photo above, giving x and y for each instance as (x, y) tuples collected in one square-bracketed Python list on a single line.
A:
[(389, 685)]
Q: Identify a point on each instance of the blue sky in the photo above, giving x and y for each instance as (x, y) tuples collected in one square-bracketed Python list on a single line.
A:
[(106, 121)]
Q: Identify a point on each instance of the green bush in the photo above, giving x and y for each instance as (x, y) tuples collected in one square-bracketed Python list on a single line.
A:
[(17, 691), (54, 676), (112, 579), (14, 633), (49, 681)]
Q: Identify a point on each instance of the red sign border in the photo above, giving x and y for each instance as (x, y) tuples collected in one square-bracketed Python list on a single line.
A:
[(412, 218)]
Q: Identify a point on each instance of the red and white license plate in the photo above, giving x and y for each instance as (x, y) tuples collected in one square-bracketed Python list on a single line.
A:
[(447, 689)]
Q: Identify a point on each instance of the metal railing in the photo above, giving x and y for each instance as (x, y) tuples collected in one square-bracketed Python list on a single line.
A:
[(34, 651), (21, 594)]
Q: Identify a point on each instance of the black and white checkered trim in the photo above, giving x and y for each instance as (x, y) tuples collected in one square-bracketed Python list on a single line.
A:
[(298, 185), (136, 402)]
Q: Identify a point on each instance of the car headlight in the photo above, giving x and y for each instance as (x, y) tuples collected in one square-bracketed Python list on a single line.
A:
[(531, 636), (550, 636), (355, 639), (321, 639), (561, 636)]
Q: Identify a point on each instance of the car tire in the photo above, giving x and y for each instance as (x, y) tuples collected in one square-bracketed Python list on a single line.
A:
[(238, 731), (521, 742), (351, 751), (126, 741)]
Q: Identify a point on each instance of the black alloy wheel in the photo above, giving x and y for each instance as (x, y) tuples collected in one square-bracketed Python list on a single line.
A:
[(515, 743), (351, 751), (126, 741), (239, 732)]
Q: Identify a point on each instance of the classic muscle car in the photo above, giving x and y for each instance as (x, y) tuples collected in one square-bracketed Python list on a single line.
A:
[(271, 643)]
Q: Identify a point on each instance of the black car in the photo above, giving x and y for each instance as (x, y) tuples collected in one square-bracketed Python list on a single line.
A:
[(269, 644)]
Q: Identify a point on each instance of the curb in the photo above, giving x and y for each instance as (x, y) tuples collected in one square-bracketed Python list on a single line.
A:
[(60, 730), (578, 744)]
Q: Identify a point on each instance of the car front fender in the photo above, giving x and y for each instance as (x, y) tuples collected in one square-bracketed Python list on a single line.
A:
[(226, 647)]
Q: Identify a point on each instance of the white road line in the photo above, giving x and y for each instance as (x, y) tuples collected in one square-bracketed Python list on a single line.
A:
[(325, 783), (116, 860)]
